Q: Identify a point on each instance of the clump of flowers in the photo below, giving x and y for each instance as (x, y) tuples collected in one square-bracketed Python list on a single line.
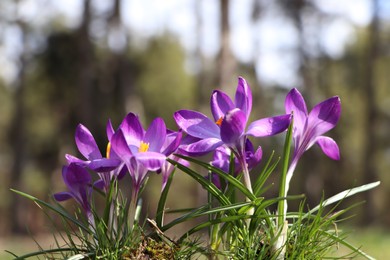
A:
[(241, 223)]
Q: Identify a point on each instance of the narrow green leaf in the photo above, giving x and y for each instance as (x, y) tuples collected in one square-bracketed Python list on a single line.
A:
[(345, 194), (263, 177), (213, 222), (162, 201), (282, 187), (57, 210), (348, 245)]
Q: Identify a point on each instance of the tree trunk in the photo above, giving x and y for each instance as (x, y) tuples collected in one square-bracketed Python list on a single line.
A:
[(370, 172), (18, 142), (226, 62)]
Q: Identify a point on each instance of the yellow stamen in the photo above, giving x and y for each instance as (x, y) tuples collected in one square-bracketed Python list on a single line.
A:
[(144, 147), (219, 121), (108, 150)]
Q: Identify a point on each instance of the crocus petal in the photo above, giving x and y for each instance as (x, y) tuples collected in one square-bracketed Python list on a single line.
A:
[(269, 126), (109, 130), (243, 98), (155, 135), (119, 145), (104, 165), (137, 172), (324, 116), (221, 158), (253, 159), (121, 171), (329, 147), (132, 129), (75, 176), (86, 143), (215, 179), (168, 168), (100, 184), (196, 124), (61, 196), (72, 159), (151, 160), (295, 104), (220, 104), (233, 126), (172, 142), (201, 147)]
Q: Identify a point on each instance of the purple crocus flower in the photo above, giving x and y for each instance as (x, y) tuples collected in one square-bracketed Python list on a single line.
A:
[(141, 150), (78, 182), (229, 125), (308, 128), (107, 167)]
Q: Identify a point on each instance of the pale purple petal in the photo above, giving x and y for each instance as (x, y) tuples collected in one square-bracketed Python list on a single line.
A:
[(253, 159), (109, 130), (151, 160), (233, 126), (61, 196), (172, 142), (220, 104), (201, 147), (137, 172), (121, 171), (155, 135), (196, 124), (221, 158), (243, 98), (75, 176), (104, 165), (86, 143), (132, 129), (100, 184), (215, 179), (329, 147), (72, 159), (295, 104), (269, 126), (324, 116), (119, 145)]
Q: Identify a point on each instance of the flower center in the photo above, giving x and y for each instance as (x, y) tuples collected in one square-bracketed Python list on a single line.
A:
[(144, 147), (108, 150), (219, 121)]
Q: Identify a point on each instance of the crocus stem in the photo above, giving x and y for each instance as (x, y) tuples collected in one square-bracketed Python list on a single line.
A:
[(282, 224), (289, 175), (133, 207), (112, 224), (247, 179)]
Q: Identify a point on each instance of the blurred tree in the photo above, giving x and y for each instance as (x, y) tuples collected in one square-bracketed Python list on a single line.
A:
[(17, 133), (163, 82), (226, 63), (371, 118)]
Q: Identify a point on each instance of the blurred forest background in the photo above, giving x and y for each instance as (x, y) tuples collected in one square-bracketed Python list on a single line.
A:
[(85, 61)]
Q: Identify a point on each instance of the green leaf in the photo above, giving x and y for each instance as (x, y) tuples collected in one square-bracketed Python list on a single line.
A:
[(282, 187), (344, 194), (57, 210), (162, 201), (264, 175)]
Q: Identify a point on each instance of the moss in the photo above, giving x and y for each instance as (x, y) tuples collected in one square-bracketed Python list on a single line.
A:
[(152, 249)]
